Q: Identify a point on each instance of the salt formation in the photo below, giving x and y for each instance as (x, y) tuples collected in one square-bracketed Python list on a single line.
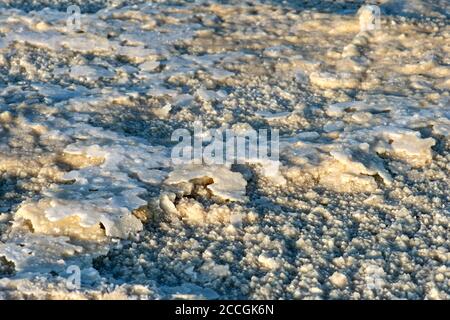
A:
[(345, 170), (357, 207), (338, 280), (370, 131), (406, 145), (220, 180), (191, 211), (39, 254), (99, 194)]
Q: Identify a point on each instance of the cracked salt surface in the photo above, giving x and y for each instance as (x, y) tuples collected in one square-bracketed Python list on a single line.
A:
[(358, 207)]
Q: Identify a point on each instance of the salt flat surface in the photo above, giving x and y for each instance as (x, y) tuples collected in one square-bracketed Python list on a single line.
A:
[(357, 209)]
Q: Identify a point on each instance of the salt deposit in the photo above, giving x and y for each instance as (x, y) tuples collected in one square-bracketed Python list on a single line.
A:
[(222, 182), (356, 208)]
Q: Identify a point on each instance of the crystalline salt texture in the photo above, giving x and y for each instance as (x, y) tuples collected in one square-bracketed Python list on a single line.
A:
[(227, 185), (273, 116), (100, 194), (406, 144), (88, 44), (91, 73), (220, 74), (210, 95), (37, 253), (136, 54), (329, 80)]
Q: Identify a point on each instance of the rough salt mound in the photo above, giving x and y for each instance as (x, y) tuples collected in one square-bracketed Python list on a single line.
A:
[(220, 180), (363, 136), (100, 194)]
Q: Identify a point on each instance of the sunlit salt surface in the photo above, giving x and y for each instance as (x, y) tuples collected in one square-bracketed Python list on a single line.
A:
[(358, 207)]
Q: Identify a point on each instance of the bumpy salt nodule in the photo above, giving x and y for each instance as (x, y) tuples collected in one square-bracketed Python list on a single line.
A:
[(225, 184)]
